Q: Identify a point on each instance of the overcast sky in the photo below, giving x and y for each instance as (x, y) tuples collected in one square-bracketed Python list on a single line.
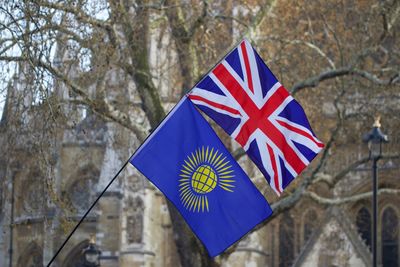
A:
[(99, 9)]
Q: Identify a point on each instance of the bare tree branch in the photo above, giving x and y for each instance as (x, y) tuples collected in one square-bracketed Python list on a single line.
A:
[(334, 73), (199, 21), (351, 199), (333, 180), (77, 12), (104, 109)]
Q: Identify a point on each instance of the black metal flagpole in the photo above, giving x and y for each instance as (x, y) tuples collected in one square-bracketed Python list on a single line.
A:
[(102, 193), (123, 167), (87, 212)]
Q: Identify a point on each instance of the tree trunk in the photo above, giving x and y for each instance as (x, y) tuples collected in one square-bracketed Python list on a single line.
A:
[(191, 252)]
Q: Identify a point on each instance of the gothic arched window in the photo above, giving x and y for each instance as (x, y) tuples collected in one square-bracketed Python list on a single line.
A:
[(75, 256), (31, 257), (310, 221), (81, 191), (390, 238), (34, 199), (363, 222), (286, 241)]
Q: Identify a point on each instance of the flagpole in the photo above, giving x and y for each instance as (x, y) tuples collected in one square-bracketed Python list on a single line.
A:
[(108, 185), (87, 212), (126, 163)]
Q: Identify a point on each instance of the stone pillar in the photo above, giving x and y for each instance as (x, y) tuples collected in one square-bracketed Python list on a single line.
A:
[(132, 249), (109, 208), (108, 230)]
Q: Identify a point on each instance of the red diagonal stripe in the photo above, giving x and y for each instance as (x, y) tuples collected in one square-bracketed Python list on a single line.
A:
[(247, 65), (301, 132), (275, 179), (259, 117), (214, 104), (274, 101), (280, 141), (235, 89), (247, 129)]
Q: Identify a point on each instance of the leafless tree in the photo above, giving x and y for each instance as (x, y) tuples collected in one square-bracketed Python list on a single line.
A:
[(325, 52)]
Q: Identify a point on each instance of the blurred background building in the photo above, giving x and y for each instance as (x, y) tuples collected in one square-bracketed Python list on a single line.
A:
[(58, 152)]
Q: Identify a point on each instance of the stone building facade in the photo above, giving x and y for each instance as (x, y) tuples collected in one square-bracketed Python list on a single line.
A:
[(39, 206), (50, 176)]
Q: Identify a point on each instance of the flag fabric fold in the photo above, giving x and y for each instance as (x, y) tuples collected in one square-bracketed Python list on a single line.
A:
[(243, 96), (186, 160)]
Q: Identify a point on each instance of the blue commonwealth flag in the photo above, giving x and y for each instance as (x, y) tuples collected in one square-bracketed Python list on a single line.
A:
[(187, 161)]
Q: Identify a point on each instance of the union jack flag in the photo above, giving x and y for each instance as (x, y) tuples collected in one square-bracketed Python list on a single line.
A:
[(243, 96)]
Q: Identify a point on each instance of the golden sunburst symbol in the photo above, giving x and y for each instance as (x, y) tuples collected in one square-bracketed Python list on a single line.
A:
[(202, 172)]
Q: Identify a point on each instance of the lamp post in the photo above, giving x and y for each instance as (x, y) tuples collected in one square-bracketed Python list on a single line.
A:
[(375, 138), (91, 254)]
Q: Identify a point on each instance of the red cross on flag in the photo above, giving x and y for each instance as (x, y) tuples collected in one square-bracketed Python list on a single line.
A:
[(243, 96)]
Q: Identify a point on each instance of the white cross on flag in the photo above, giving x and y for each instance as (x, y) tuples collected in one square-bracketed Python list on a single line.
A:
[(243, 96)]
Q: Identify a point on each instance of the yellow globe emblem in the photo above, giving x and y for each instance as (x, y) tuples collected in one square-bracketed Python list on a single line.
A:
[(204, 170), (204, 179)]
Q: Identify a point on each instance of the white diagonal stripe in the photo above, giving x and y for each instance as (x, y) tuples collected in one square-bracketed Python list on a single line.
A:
[(254, 74)]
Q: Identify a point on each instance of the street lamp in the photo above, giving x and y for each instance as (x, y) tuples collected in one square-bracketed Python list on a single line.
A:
[(375, 138), (91, 254)]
